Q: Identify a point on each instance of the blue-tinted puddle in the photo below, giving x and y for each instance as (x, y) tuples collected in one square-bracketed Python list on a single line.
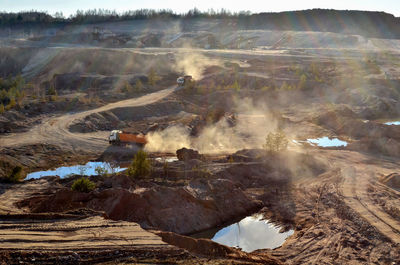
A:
[(88, 170), (326, 142), (393, 123), (249, 234)]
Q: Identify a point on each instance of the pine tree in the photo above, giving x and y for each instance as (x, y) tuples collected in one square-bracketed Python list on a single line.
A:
[(52, 91), (140, 166), (276, 142), (153, 78), (138, 85)]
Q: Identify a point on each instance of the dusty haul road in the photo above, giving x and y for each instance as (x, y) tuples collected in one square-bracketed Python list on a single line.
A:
[(356, 180), (358, 174), (55, 130)]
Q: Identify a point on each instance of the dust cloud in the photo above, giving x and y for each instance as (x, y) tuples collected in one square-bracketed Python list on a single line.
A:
[(168, 140), (192, 62), (253, 122)]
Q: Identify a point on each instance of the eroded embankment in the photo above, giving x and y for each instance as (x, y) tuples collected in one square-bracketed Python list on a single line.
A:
[(294, 190), (38, 157), (186, 197)]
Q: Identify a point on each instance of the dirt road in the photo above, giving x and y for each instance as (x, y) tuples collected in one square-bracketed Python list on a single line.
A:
[(55, 130), (358, 171), (354, 188), (73, 233), (22, 230)]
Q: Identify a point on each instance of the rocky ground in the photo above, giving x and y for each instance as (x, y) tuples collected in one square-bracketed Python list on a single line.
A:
[(309, 197), (51, 208), (341, 202)]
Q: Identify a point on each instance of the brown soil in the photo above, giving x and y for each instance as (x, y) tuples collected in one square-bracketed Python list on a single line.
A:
[(333, 211), (83, 235), (341, 202), (76, 237), (391, 180)]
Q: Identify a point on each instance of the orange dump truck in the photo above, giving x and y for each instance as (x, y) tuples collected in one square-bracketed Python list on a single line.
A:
[(119, 137)]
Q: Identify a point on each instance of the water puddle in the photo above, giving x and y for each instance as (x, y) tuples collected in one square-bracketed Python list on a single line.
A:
[(167, 159), (327, 142), (393, 123), (251, 233), (88, 170)]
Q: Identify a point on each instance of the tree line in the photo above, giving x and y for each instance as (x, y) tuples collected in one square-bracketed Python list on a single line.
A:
[(367, 23), (104, 15)]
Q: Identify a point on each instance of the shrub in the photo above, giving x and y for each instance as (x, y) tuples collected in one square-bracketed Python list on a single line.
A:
[(51, 91), (83, 185), (153, 78), (12, 104), (276, 142), (3, 95), (16, 175), (302, 82), (284, 86), (138, 86), (265, 88), (236, 86), (2, 108), (127, 88), (140, 166), (100, 171), (53, 98)]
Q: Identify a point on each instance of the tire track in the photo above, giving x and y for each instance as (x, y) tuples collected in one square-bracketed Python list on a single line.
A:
[(55, 130), (353, 187)]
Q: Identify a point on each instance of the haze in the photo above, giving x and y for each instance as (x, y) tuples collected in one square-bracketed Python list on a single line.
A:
[(70, 7), (195, 136)]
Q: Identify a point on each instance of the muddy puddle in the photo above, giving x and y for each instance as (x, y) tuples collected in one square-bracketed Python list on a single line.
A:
[(90, 169), (327, 142), (249, 234)]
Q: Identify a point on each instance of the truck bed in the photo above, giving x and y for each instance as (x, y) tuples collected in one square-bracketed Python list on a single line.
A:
[(132, 138)]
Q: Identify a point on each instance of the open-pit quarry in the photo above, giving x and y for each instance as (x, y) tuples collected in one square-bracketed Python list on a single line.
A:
[(220, 189)]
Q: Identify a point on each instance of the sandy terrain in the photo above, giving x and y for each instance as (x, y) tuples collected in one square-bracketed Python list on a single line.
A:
[(80, 234), (55, 130), (341, 202)]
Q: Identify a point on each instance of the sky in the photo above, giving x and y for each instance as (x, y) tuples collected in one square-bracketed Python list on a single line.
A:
[(69, 7)]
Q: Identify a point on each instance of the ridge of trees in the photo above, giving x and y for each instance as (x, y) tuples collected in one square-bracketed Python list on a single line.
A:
[(368, 23)]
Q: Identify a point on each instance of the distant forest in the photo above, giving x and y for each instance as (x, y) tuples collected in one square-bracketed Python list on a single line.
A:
[(366, 23)]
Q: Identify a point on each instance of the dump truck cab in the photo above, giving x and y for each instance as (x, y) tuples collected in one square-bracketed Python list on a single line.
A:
[(114, 136), (180, 81), (183, 79)]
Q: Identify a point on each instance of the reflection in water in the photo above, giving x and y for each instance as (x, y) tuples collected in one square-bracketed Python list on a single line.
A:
[(88, 170), (393, 123), (326, 142), (251, 233), (168, 159)]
